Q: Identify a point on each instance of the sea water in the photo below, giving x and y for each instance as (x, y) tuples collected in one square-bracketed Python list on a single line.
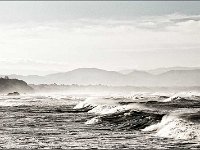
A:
[(64, 121)]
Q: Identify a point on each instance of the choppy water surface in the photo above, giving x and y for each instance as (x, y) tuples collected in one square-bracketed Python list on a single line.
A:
[(64, 122)]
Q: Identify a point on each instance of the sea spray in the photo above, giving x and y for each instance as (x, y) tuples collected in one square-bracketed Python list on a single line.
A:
[(173, 126)]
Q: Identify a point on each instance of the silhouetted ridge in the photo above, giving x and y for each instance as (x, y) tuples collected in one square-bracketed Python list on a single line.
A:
[(11, 85)]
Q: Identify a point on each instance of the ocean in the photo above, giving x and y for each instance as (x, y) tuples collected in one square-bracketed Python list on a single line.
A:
[(140, 120)]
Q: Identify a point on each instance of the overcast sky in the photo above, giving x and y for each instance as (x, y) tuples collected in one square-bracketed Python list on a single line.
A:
[(48, 37)]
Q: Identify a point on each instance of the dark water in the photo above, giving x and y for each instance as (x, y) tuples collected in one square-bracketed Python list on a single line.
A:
[(52, 123)]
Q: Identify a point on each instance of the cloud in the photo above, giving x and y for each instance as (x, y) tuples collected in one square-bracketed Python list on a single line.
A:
[(32, 66), (65, 45)]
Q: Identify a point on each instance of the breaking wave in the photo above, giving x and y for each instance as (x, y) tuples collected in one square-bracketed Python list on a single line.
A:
[(183, 95), (160, 115), (174, 126), (95, 101)]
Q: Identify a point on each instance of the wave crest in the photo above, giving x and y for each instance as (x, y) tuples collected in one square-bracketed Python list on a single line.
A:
[(172, 126)]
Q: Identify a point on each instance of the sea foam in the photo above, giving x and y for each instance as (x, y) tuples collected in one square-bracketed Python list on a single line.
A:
[(172, 126)]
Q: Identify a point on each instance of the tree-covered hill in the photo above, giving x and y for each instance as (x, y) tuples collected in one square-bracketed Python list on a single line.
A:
[(14, 85)]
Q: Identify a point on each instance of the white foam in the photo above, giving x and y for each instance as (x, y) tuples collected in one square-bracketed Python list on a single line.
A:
[(95, 101), (101, 109), (109, 105), (121, 108), (94, 120), (171, 126), (188, 95)]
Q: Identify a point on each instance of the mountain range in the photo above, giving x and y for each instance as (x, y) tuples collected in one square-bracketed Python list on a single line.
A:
[(160, 70), (176, 76)]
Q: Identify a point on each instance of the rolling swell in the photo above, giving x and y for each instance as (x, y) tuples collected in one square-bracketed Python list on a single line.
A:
[(193, 117), (115, 115), (128, 120)]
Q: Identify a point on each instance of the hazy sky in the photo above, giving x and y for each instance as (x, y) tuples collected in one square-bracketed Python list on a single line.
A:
[(47, 37)]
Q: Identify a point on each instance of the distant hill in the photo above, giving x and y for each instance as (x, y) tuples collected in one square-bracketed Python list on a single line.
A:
[(159, 70), (179, 78), (14, 85), (94, 76), (163, 70), (127, 71), (85, 76)]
